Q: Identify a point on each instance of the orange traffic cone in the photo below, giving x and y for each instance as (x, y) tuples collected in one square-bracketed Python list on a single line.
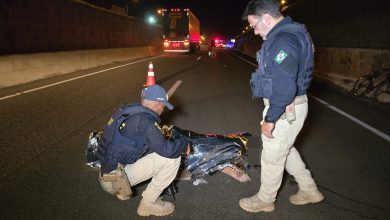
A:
[(150, 78)]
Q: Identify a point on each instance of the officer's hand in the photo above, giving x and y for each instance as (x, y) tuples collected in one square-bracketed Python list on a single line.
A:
[(267, 128), (188, 150)]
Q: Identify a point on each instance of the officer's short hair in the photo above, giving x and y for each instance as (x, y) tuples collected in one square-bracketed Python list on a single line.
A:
[(259, 7)]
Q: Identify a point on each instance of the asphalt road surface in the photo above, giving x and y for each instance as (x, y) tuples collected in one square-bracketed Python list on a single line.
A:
[(44, 129)]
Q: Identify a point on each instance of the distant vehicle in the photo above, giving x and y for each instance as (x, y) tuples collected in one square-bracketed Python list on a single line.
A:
[(181, 30), (218, 42), (230, 44)]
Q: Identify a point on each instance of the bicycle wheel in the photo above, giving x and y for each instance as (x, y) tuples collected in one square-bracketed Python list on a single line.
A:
[(382, 91), (361, 86)]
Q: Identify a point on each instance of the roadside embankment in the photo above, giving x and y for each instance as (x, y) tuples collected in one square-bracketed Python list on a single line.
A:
[(24, 68)]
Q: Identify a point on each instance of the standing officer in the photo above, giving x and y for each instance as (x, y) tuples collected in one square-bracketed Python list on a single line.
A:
[(133, 140), (286, 61), (212, 48)]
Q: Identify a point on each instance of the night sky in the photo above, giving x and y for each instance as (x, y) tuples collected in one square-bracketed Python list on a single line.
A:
[(218, 18)]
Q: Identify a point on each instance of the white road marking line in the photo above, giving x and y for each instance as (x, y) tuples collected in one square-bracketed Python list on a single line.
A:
[(255, 65), (357, 121), (68, 80)]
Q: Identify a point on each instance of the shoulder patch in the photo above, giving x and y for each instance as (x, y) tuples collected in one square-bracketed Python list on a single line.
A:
[(280, 56)]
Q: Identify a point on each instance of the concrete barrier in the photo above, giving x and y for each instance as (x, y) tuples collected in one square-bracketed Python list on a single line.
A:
[(18, 69), (342, 66)]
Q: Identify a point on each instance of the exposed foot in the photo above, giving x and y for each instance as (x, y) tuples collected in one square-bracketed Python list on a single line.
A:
[(236, 174)]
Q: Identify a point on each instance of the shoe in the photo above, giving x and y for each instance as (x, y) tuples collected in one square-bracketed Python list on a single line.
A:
[(254, 204), (122, 184), (121, 187), (305, 197), (106, 186), (158, 208)]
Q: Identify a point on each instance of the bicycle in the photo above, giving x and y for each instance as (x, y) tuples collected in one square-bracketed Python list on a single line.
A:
[(379, 81)]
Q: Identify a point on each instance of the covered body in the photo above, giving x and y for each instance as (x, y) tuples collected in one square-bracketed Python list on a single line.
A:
[(211, 153)]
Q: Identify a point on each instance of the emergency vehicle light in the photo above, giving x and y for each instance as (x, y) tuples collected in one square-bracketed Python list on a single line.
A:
[(175, 43)]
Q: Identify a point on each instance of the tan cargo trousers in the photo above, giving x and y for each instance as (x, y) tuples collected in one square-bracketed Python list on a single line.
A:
[(162, 170), (279, 154)]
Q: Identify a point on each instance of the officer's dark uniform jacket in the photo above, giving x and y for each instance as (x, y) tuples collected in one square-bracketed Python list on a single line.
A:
[(137, 136), (286, 61)]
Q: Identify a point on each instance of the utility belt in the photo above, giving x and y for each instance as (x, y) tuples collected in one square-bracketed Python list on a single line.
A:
[(289, 113)]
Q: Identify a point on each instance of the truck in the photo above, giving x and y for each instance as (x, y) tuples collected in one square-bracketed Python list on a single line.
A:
[(181, 30)]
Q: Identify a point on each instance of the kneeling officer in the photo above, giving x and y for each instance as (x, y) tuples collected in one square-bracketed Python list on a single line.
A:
[(133, 150)]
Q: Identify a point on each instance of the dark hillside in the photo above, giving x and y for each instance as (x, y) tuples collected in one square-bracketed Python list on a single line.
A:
[(345, 23)]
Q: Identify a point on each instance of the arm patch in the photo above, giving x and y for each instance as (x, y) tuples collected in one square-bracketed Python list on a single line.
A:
[(289, 64), (280, 56), (285, 53)]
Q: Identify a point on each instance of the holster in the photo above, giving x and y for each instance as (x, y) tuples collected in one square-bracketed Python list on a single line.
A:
[(289, 113)]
